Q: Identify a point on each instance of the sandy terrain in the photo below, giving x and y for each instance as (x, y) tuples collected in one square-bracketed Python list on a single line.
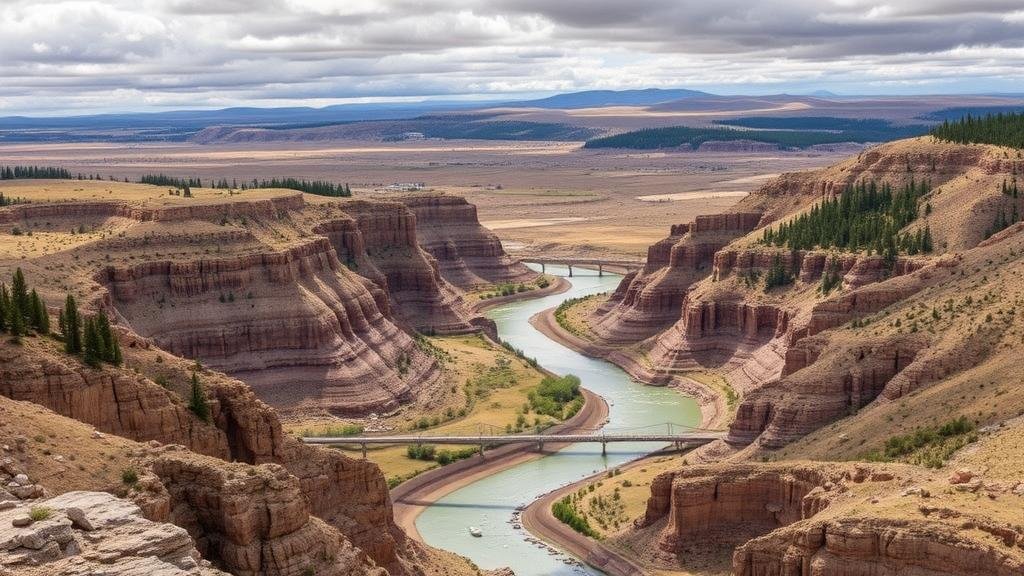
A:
[(586, 199)]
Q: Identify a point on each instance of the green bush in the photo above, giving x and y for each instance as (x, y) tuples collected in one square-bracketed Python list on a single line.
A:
[(567, 514)]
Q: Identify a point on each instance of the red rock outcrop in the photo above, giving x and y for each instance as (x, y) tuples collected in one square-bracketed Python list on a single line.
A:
[(868, 546), (114, 401), (468, 255), (716, 505), (821, 384), (253, 520), (296, 316), (650, 300), (350, 495), (411, 277), (201, 210)]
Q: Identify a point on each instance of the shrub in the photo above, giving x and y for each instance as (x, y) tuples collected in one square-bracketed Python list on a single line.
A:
[(39, 513), (567, 514), (129, 476)]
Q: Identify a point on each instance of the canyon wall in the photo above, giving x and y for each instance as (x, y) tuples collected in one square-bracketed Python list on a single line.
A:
[(296, 325), (468, 255), (650, 300)]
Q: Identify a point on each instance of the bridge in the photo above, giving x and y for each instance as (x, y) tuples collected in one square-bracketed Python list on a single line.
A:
[(598, 263), (692, 438)]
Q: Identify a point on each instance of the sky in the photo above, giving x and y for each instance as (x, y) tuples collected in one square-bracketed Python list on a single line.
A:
[(84, 56)]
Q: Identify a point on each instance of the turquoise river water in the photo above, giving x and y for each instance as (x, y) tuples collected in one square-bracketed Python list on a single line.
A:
[(491, 502)]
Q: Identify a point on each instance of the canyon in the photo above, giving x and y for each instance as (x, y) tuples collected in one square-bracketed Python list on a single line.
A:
[(853, 350), (280, 303)]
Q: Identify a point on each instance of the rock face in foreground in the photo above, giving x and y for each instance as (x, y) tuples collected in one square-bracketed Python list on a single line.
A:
[(253, 520), (816, 519), (90, 533), (872, 547)]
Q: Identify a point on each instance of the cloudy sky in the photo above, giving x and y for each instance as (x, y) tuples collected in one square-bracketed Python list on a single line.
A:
[(80, 56)]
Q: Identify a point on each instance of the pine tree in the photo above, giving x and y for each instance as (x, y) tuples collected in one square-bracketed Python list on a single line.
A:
[(197, 401), (72, 326), (111, 347), (5, 307), (19, 296), (15, 323), (94, 352), (40, 316), (114, 354)]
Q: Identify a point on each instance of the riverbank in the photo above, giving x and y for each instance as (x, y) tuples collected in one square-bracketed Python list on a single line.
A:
[(537, 517), (413, 496), (558, 286), (713, 405), (538, 520)]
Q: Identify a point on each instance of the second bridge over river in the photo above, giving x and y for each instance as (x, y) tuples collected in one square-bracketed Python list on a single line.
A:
[(589, 263), (690, 438)]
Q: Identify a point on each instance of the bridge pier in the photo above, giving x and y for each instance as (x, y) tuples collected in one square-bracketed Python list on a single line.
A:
[(600, 270), (543, 268), (481, 450), (604, 448), (540, 446), (364, 450), (570, 270)]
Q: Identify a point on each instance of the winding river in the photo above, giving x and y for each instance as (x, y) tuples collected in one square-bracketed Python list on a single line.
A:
[(490, 503)]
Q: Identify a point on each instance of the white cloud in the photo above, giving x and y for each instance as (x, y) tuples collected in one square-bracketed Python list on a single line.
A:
[(75, 55)]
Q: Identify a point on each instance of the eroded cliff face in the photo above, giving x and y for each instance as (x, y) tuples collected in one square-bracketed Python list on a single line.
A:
[(388, 252), (296, 325), (467, 254), (253, 520), (650, 300), (806, 518)]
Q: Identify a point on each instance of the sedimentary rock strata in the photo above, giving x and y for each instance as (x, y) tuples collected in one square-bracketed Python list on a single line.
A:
[(467, 254)]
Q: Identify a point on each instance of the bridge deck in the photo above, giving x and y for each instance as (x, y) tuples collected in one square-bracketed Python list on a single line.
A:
[(687, 438)]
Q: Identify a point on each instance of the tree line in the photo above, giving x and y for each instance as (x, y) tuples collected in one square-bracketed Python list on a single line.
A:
[(1001, 129), (676, 136), (865, 216), (318, 187), (23, 312), (11, 200), (33, 172)]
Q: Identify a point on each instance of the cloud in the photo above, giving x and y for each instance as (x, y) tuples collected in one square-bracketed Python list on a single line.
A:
[(81, 55)]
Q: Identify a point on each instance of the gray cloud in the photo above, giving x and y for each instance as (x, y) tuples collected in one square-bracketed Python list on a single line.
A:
[(77, 55)]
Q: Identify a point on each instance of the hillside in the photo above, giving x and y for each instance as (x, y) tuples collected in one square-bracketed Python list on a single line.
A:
[(890, 353)]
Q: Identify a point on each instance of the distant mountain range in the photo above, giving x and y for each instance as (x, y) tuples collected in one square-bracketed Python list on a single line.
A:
[(600, 98)]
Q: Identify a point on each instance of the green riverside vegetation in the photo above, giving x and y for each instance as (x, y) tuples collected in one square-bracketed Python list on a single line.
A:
[(999, 129), (866, 216), (566, 512)]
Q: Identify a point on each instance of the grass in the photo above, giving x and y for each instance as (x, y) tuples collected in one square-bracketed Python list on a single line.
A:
[(487, 389), (929, 446), (508, 288), (572, 314), (129, 476), (39, 513)]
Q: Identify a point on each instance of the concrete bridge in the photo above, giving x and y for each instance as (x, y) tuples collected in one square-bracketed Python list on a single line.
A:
[(688, 439), (598, 263)]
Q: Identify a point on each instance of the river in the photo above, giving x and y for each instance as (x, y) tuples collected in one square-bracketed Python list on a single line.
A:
[(490, 503)]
